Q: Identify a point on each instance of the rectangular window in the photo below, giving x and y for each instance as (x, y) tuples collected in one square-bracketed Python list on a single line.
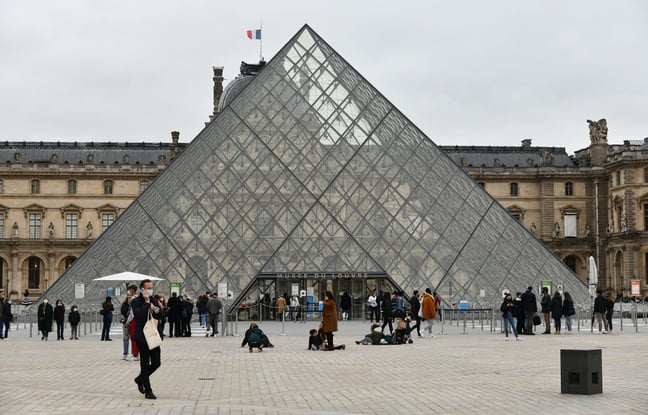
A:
[(645, 175), (1, 187), (34, 226), (1, 229), (143, 185), (570, 226), (645, 209), (108, 187), (618, 178), (106, 220), (514, 189), (71, 226), (35, 187), (72, 185)]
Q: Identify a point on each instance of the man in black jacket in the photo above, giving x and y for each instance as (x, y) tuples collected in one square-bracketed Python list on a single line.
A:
[(530, 308), (600, 308), (142, 305), (545, 303)]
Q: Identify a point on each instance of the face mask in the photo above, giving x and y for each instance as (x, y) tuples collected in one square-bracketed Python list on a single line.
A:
[(149, 292), (45, 301)]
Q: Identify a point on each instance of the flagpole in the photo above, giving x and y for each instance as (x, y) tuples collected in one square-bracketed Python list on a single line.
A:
[(261, 41)]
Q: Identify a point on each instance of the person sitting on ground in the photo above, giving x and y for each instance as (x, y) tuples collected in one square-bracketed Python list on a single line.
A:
[(374, 337), (314, 340), (255, 337), (323, 339)]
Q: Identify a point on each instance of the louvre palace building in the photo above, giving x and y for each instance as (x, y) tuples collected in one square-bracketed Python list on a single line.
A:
[(307, 179)]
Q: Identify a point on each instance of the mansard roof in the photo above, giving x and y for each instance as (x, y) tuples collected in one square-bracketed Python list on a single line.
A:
[(500, 156)]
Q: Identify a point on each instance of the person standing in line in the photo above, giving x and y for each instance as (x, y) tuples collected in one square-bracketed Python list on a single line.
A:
[(107, 309), (520, 318), (428, 304), (201, 306), (545, 304), (162, 321), (372, 303), (437, 304), (59, 316), (345, 306), (281, 307), (74, 318), (187, 313), (7, 317), (609, 312), (45, 316), (508, 311), (174, 308), (128, 323), (556, 310), (150, 359), (568, 310), (214, 307), (386, 312), (329, 319), (415, 305), (1, 317), (530, 309), (600, 309), (294, 307)]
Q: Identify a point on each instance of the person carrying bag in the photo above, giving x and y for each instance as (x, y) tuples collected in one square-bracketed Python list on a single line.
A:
[(147, 310)]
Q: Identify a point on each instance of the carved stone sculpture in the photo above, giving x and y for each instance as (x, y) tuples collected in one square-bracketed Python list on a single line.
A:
[(556, 230), (598, 130), (624, 223), (89, 229)]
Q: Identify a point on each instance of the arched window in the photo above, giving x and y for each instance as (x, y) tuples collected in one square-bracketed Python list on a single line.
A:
[(69, 261), (570, 261), (569, 189), (515, 189), (33, 273), (108, 187)]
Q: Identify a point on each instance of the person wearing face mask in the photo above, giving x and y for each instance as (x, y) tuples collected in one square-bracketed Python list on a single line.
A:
[(74, 318), (7, 317), (142, 306), (45, 316), (59, 316)]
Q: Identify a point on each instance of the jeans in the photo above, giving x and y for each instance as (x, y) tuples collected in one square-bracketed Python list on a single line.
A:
[(125, 339), (203, 320), (602, 321), (508, 320), (373, 311), (105, 332), (556, 324), (6, 328), (213, 323), (429, 323), (568, 323), (149, 363), (60, 325)]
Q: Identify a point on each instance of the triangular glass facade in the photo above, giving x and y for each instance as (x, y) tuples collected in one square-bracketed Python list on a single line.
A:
[(311, 170)]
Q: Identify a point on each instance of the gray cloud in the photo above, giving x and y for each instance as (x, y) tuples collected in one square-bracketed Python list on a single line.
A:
[(482, 73)]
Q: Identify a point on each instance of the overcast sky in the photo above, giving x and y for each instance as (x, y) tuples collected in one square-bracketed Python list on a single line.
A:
[(465, 72)]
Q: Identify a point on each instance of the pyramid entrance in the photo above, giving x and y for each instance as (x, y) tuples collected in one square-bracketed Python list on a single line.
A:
[(309, 170)]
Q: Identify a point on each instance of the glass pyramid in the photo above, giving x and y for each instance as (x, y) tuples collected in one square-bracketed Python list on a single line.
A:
[(311, 170)]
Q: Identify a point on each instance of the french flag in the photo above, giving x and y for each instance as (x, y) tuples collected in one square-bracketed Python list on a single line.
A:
[(254, 34)]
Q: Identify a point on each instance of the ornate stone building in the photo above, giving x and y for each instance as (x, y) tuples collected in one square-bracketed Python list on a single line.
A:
[(56, 198)]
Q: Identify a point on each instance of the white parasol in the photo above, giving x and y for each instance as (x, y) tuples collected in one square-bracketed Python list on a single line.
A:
[(593, 275), (127, 276)]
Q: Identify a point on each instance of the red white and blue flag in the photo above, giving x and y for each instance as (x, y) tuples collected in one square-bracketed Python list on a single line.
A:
[(254, 34)]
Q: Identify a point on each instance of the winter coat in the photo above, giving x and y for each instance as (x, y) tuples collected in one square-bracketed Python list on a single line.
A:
[(253, 337), (556, 306), (140, 311), (415, 305), (529, 301), (429, 307), (610, 309), (7, 317), (329, 317), (107, 309), (281, 305), (59, 313), (214, 306), (545, 303), (600, 304), (568, 308), (519, 308), (45, 315), (345, 302), (74, 318), (508, 306)]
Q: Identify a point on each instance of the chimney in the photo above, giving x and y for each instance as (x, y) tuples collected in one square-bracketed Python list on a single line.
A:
[(218, 88), (526, 143), (175, 137)]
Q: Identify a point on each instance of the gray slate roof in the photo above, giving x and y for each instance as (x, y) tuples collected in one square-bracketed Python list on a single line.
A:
[(486, 156)]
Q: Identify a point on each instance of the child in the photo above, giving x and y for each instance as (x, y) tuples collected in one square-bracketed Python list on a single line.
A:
[(255, 337), (74, 318), (314, 340), (322, 336)]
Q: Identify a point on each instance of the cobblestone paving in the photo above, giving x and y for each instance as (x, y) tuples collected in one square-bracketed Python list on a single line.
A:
[(455, 373)]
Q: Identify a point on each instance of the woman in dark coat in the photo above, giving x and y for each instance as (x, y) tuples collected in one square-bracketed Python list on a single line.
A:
[(59, 316), (45, 316), (107, 309), (556, 310), (329, 319), (387, 312)]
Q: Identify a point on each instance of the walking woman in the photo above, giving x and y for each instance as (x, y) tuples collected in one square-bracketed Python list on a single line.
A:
[(329, 319), (508, 310), (568, 310), (107, 309), (556, 310), (387, 312), (609, 312), (59, 317)]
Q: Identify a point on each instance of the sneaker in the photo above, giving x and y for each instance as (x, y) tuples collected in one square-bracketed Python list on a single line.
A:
[(517, 339), (506, 339), (314, 348), (250, 350), (135, 358), (125, 357)]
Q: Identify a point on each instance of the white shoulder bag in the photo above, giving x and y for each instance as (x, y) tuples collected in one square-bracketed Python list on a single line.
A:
[(151, 332)]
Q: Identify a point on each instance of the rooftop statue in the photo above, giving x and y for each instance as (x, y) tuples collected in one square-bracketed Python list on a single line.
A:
[(598, 130)]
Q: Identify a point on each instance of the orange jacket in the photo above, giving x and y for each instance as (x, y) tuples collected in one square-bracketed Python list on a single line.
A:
[(429, 307)]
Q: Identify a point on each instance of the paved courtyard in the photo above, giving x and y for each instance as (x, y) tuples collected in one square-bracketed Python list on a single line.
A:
[(453, 373)]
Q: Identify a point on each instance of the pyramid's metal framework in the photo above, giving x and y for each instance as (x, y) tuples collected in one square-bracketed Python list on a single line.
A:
[(309, 170)]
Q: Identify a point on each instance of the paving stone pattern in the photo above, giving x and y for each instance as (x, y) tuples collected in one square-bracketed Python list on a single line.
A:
[(455, 373)]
